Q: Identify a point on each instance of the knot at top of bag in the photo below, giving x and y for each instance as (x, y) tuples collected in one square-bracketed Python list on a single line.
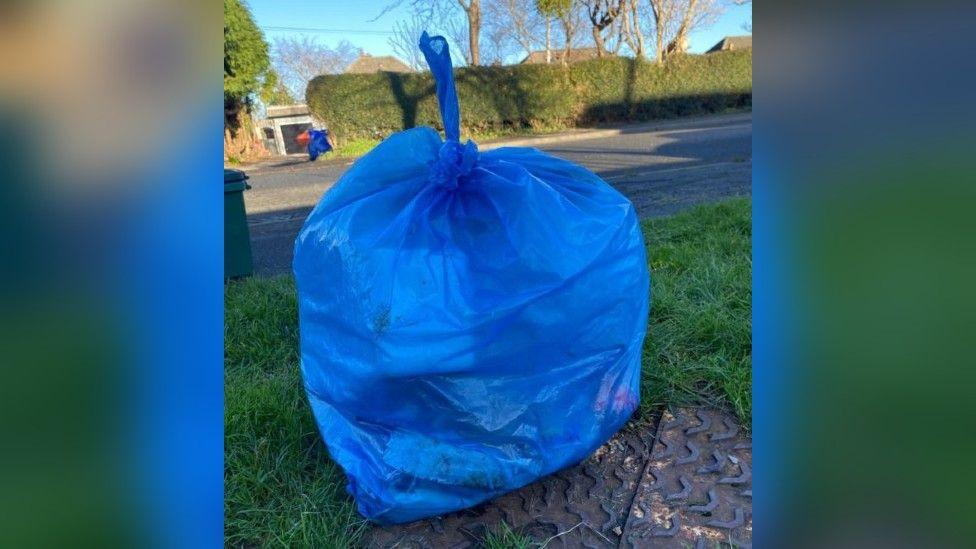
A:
[(454, 160)]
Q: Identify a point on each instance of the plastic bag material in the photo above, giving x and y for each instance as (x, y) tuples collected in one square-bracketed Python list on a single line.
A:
[(318, 143), (469, 322)]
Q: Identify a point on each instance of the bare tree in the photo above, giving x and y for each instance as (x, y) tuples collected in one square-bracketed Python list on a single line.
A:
[(747, 26), (406, 36), (571, 20), (548, 39), (472, 8), (679, 43), (298, 59), (615, 40), (496, 44), (674, 20), (456, 30), (630, 27), (553, 9), (663, 12), (517, 22), (429, 10), (602, 14)]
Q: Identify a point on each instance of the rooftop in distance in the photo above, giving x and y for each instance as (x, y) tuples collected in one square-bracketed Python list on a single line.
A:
[(368, 64), (733, 43)]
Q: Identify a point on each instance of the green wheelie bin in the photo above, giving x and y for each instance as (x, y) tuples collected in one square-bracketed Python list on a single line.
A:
[(237, 238)]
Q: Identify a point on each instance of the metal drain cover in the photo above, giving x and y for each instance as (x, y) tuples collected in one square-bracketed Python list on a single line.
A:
[(697, 486), (689, 487)]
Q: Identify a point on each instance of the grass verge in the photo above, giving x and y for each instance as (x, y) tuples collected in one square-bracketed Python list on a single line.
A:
[(699, 344), (281, 488), (354, 148)]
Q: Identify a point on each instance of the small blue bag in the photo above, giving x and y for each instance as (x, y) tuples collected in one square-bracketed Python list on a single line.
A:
[(318, 143), (469, 321)]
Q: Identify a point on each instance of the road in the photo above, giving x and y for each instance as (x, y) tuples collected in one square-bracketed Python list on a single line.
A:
[(662, 168)]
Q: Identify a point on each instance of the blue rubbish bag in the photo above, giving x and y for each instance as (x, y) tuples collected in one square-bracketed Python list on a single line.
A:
[(318, 143), (469, 322)]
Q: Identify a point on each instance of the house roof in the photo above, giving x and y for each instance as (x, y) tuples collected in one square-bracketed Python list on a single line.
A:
[(733, 43), (367, 64), (281, 111), (579, 54)]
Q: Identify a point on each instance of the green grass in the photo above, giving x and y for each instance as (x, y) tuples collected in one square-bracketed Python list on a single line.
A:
[(353, 148), (504, 537), (488, 134), (281, 488), (699, 344)]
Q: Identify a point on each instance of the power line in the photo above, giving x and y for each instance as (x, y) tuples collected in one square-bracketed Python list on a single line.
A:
[(339, 31)]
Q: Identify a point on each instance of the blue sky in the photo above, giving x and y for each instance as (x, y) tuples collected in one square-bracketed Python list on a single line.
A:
[(355, 16)]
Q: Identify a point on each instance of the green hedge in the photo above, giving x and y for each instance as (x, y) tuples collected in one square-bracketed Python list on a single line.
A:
[(535, 96)]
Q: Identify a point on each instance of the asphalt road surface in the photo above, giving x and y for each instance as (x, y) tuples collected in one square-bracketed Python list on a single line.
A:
[(662, 168)]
